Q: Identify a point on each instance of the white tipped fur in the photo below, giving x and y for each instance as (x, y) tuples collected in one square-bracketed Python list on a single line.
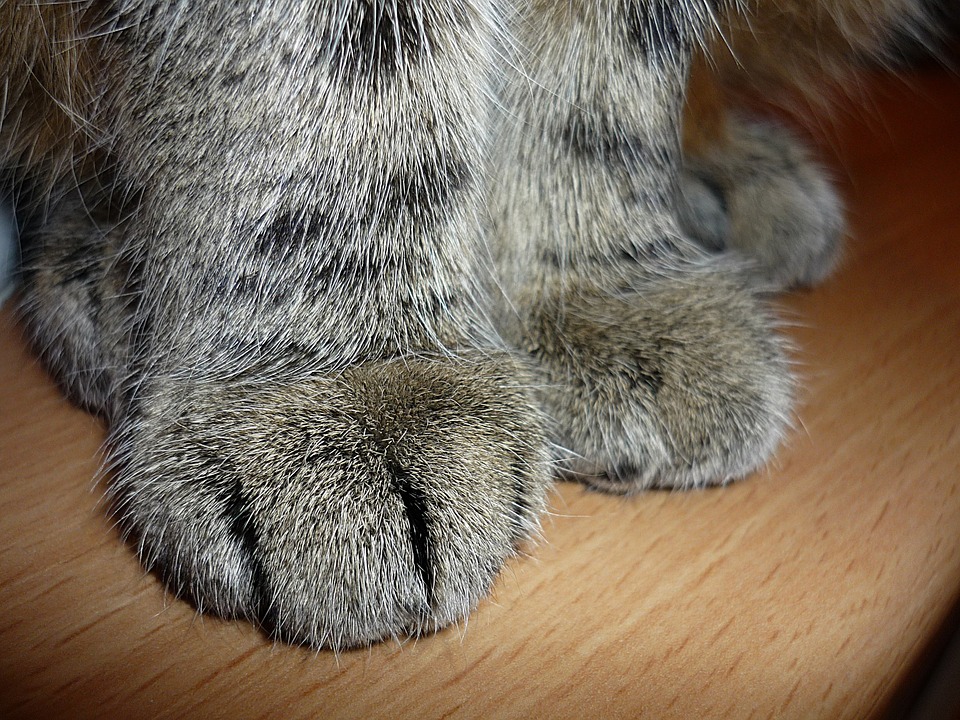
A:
[(256, 243)]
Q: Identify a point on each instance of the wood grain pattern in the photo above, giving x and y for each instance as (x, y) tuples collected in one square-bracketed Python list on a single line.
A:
[(809, 590)]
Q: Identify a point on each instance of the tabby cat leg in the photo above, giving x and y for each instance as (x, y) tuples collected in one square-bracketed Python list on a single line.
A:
[(73, 303), (659, 365), (762, 194), (316, 428)]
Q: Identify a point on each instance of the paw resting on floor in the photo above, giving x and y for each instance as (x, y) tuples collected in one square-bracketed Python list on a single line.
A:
[(673, 380), (763, 195), (281, 312), (335, 511)]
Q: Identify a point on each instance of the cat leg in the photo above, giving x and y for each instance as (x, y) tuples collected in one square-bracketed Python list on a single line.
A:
[(753, 186), (659, 364), (72, 301), (779, 205), (316, 427)]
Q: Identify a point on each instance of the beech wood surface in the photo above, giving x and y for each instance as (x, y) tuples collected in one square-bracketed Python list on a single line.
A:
[(816, 588)]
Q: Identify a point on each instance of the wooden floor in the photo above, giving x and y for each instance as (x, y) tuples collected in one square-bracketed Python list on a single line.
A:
[(819, 588)]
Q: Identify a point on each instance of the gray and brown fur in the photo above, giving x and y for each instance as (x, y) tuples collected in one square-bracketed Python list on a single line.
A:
[(350, 279)]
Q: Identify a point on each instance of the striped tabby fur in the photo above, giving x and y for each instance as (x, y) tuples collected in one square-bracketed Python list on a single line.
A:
[(351, 280)]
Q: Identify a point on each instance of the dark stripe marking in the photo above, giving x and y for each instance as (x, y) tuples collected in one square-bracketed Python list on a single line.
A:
[(420, 197), (377, 39), (592, 136)]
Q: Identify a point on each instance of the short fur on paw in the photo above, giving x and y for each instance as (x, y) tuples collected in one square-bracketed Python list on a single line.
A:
[(673, 380), (335, 511), (782, 212)]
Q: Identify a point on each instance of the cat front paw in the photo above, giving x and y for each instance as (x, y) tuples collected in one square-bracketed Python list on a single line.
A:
[(676, 381), (763, 195), (335, 511)]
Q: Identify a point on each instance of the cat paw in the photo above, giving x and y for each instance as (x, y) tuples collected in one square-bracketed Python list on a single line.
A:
[(763, 195), (335, 511), (675, 381)]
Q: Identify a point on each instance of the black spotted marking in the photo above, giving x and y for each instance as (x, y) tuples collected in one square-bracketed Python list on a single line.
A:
[(244, 285), (376, 40), (553, 258), (417, 509), (287, 231), (629, 252), (214, 282), (349, 269)]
